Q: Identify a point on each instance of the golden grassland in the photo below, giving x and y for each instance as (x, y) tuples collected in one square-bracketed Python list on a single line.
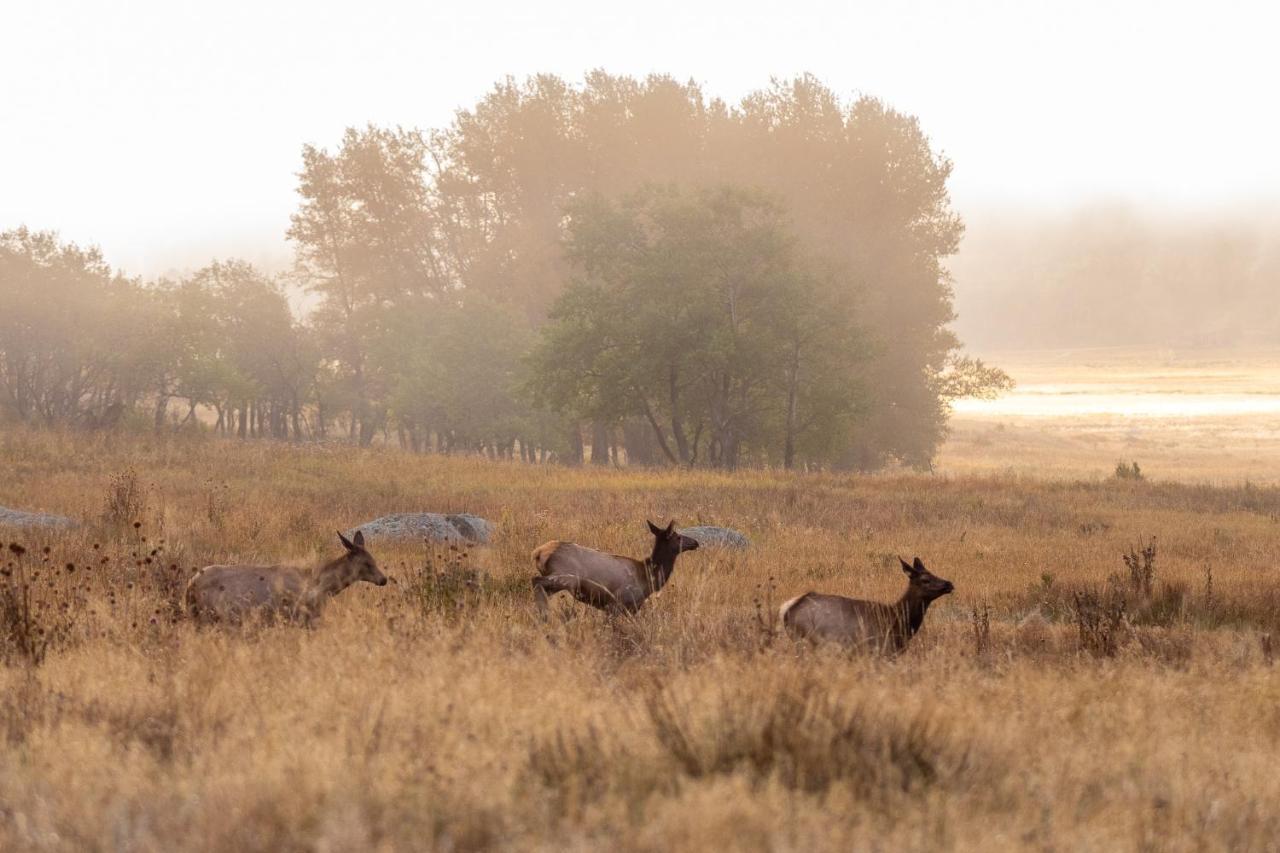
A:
[(1226, 450), (439, 713), (1196, 415)]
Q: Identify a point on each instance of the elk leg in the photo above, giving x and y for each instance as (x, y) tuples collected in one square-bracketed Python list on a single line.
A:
[(540, 596), (548, 585)]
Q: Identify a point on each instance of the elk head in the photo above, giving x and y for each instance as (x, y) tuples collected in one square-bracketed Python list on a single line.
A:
[(668, 542), (924, 582), (366, 569)]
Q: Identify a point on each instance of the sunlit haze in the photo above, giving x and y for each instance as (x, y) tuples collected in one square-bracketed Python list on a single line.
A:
[(663, 425), (170, 132)]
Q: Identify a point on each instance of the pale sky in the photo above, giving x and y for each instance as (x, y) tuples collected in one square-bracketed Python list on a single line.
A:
[(169, 132)]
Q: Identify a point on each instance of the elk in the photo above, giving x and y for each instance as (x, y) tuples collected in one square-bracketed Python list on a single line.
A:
[(866, 625), (231, 593), (617, 585)]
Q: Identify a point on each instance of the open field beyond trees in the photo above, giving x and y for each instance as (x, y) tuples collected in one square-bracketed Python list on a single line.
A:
[(1198, 416), (438, 713)]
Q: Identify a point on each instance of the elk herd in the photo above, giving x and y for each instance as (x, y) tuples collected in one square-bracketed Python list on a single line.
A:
[(608, 582)]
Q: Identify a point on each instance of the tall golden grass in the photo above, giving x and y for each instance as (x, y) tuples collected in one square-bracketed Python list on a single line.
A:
[(439, 713)]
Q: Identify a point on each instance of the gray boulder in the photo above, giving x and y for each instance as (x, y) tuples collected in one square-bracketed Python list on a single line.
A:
[(717, 537), (30, 520), (437, 527), (472, 527)]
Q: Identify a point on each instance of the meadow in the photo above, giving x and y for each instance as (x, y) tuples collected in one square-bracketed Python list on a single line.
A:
[(1063, 698), (1205, 416)]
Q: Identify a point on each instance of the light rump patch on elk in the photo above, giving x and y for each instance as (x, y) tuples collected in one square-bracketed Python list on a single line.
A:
[(607, 582), (868, 625), (232, 593)]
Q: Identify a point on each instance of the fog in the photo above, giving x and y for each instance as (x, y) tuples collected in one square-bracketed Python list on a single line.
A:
[(418, 223), (166, 133), (1120, 274)]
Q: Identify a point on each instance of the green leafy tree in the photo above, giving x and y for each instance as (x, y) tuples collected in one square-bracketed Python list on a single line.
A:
[(864, 192), (258, 365), (70, 336), (693, 311), (365, 242), (867, 191)]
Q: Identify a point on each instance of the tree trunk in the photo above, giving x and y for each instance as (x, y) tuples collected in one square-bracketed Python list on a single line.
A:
[(658, 434), (641, 446), (599, 443), (677, 417), (576, 450), (162, 409), (789, 440)]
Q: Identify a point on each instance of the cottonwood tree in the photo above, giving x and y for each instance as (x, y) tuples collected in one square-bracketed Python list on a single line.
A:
[(511, 165), (453, 366), (69, 332), (364, 240), (863, 189), (867, 191), (259, 365), (693, 311)]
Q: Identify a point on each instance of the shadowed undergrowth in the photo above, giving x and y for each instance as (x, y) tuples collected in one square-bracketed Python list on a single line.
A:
[(798, 735)]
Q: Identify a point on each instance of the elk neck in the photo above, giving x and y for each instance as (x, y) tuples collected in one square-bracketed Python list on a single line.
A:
[(911, 609), (658, 569), (335, 576)]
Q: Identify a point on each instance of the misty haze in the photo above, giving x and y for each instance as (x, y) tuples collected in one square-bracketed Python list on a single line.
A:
[(725, 426)]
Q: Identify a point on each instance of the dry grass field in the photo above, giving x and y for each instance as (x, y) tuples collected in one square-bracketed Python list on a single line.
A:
[(437, 713), (1196, 416)]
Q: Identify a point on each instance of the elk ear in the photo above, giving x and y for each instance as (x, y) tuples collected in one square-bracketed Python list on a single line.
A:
[(671, 528), (654, 529), (346, 543), (358, 539), (907, 567), (918, 565)]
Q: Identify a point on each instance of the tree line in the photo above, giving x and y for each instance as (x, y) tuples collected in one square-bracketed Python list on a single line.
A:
[(622, 265)]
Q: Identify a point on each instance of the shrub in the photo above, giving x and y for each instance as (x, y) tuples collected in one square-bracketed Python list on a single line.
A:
[(797, 734), (1129, 471), (765, 615), (578, 768), (809, 740), (126, 500), (981, 620), (1142, 568), (446, 582), (32, 619), (1101, 622)]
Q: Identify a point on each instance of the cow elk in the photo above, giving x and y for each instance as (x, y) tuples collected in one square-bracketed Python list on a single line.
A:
[(866, 625), (608, 582), (231, 594)]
